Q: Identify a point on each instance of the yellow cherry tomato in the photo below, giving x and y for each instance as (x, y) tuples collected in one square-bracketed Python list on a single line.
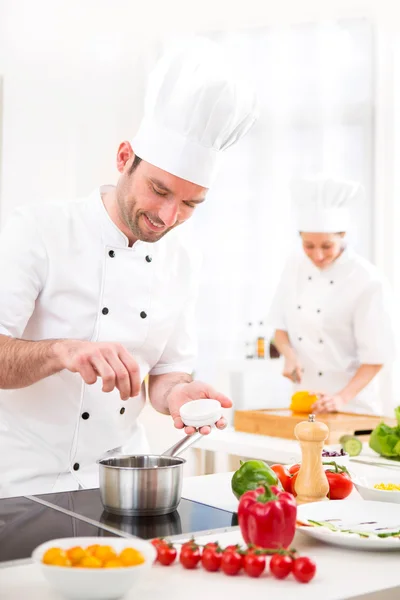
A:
[(90, 562), (92, 549), (76, 554), (130, 557), (105, 553), (56, 557), (113, 564)]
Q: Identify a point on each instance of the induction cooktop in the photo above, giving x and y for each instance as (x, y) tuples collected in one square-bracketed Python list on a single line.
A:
[(25, 524), (189, 518)]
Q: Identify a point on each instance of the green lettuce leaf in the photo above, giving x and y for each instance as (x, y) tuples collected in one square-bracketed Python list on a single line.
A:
[(385, 440)]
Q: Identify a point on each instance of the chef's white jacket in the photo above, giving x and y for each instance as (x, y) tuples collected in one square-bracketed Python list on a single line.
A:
[(67, 271), (337, 319)]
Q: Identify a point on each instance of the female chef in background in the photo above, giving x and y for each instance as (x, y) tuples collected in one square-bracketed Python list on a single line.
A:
[(331, 309)]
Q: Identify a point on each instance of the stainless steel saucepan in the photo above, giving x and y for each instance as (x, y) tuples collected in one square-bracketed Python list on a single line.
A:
[(144, 484)]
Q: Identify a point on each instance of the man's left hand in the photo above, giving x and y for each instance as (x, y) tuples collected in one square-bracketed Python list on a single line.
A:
[(327, 403), (195, 390)]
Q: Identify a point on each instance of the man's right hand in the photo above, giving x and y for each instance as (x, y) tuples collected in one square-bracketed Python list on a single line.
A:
[(110, 361), (292, 370)]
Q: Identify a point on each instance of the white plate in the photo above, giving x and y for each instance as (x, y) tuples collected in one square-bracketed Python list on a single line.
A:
[(365, 486), (359, 515)]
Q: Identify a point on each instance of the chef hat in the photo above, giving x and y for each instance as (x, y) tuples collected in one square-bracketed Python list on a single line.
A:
[(322, 203), (194, 110)]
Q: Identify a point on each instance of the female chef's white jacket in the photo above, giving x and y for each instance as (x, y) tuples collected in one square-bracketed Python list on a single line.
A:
[(337, 319), (66, 271)]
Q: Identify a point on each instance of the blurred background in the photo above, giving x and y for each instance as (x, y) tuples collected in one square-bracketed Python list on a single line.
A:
[(72, 81)]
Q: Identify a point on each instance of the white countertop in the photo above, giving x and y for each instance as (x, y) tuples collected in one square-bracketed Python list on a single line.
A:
[(341, 573)]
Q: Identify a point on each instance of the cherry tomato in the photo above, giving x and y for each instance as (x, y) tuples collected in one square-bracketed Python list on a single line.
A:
[(232, 547), (280, 565), (304, 569), (254, 564), (231, 562), (294, 469), (211, 559), (190, 556), (166, 554), (157, 541), (213, 545), (340, 485), (283, 476)]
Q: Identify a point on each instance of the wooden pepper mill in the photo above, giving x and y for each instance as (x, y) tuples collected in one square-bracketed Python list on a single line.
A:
[(311, 484)]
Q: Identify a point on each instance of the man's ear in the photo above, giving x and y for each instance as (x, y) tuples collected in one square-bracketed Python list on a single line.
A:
[(124, 155)]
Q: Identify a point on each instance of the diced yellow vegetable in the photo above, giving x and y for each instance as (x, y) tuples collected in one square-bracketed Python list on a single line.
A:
[(390, 487)]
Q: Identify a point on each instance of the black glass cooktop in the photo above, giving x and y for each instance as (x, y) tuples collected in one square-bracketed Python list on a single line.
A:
[(190, 516), (25, 524)]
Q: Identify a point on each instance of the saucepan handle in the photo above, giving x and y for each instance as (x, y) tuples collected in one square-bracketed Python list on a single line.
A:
[(183, 444)]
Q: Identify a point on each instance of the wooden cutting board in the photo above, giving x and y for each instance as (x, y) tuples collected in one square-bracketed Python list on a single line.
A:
[(281, 423)]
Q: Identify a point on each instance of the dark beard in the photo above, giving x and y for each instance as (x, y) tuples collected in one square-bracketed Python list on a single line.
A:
[(134, 224)]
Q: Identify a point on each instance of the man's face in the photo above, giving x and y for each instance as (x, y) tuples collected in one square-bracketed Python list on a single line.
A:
[(151, 201)]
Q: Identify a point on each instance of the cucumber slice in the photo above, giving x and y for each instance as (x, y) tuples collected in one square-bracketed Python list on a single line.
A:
[(351, 445)]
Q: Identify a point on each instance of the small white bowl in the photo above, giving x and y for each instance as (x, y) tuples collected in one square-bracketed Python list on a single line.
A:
[(95, 584), (343, 461), (198, 413), (365, 486)]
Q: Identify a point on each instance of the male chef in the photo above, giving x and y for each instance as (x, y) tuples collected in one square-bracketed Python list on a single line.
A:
[(99, 292)]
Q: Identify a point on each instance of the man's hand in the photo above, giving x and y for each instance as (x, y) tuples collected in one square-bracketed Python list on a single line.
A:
[(110, 361), (195, 390), (327, 403)]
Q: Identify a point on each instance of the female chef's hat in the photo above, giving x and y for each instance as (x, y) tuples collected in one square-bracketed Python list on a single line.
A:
[(194, 110), (322, 203)]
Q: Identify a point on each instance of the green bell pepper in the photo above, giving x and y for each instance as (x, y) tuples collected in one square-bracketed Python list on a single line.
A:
[(250, 475)]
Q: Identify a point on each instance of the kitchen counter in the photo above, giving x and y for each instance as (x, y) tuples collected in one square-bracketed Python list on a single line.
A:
[(342, 574)]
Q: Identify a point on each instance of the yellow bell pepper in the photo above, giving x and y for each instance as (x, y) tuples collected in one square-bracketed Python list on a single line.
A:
[(302, 402)]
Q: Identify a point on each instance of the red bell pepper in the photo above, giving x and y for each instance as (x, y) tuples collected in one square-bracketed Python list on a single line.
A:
[(267, 517)]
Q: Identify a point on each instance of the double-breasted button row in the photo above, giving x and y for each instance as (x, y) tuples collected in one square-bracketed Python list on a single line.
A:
[(148, 258), (299, 308), (105, 311), (85, 415)]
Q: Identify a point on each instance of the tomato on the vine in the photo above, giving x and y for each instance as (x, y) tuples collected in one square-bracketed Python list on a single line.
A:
[(166, 554), (304, 569), (211, 559), (231, 562), (254, 564), (190, 556), (284, 476), (340, 485), (280, 565), (294, 469)]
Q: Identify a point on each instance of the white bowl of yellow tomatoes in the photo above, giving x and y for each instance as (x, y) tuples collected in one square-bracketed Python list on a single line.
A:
[(94, 568)]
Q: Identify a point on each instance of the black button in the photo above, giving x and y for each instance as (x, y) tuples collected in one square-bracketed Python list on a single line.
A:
[(143, 314), (85, 416), (76, 467), (121, 412), (318, 310), (149, 258), (105, 311), (321, 341), (299, 307), (111, 254), (331, 282), (310, 278), (300, 339), (320, 374)]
